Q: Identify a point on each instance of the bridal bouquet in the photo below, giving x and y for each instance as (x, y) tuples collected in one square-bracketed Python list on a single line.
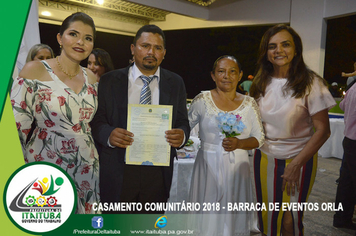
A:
[(229, 124)]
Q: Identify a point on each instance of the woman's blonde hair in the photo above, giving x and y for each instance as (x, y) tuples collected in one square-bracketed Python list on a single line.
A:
[(34, 50)]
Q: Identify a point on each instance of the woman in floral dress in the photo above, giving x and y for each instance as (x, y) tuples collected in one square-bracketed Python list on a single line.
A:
[(59, 96)]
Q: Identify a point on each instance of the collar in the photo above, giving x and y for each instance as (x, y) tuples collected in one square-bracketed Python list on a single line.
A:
[(136, 73)]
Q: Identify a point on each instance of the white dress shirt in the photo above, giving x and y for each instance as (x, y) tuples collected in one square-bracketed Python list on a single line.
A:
[(136, 84)]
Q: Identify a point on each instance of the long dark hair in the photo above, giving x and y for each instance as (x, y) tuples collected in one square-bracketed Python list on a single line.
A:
[(300, 77), (103, 58)]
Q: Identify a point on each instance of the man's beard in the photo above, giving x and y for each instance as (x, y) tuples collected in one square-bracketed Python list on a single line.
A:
[(150, 66)]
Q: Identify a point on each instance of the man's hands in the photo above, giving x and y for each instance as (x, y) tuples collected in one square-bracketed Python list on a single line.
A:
[(121, 138), (175, 137)]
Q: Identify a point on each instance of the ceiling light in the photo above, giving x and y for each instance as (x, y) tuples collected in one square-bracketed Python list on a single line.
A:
[(46, 13), (100, 2)]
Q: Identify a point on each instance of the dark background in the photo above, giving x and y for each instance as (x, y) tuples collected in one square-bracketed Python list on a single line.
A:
[(340, 51), (191, 53)]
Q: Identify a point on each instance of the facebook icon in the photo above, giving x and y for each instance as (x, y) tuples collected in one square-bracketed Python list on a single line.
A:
[(97, 222)]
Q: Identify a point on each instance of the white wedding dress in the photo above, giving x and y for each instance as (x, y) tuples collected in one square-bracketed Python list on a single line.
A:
[(220, 178)]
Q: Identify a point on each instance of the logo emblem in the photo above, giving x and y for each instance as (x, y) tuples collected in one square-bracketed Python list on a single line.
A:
[(97, 222), (39, 197), (161, 222)]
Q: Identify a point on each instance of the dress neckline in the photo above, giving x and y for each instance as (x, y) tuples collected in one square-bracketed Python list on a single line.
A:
[(279, 79), (232, 111), (58, 80)]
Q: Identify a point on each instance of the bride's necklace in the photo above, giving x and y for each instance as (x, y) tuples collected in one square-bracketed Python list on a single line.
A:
[(65, 72)]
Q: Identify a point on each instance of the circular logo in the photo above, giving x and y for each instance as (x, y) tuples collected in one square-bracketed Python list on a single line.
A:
[(39, 197)]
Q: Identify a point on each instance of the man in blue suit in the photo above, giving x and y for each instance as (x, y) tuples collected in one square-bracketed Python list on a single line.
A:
[(120, 182)]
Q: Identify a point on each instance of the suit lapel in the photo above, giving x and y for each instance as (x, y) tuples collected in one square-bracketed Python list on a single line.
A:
[(164, 88)]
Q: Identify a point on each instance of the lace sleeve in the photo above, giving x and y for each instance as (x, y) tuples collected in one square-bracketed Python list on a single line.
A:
[(194, 112), (22, 101), (257, 127)]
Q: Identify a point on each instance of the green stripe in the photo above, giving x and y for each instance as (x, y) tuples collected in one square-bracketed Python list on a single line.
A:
[(13, 15)]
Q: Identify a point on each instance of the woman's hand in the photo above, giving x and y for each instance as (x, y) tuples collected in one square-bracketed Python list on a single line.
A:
[(291, 178), (230, 144), (233, 143), (292, 171)]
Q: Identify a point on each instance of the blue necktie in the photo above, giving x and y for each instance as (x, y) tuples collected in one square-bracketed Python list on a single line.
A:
[(145, 97)]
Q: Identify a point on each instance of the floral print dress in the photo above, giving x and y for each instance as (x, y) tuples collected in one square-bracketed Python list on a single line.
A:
[(62, 133)]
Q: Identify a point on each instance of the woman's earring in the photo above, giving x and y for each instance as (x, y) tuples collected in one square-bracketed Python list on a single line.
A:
[(60, 46)]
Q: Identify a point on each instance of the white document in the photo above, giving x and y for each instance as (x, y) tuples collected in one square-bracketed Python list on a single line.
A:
[(148, 123)]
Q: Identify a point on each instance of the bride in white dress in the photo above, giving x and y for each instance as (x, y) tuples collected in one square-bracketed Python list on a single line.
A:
[(221, 174)]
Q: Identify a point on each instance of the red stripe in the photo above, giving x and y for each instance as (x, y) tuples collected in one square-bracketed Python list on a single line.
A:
[(302, 185), (300, 200), (275, 179)]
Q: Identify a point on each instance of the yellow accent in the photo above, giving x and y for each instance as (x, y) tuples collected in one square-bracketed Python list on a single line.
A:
[(44, 186), (41, 201), (312, 179), (12, 158), (159, 220), (264, 189), (285, 198)]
